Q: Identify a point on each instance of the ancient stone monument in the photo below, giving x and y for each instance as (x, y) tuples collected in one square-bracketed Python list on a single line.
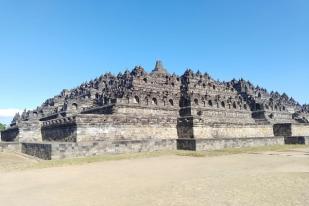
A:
[(140, 111)]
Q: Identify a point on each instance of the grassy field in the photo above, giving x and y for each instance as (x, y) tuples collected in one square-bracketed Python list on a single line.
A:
[(113, 157), (12, 161)]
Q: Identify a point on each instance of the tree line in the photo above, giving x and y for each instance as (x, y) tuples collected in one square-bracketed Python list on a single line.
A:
[(2, 127)]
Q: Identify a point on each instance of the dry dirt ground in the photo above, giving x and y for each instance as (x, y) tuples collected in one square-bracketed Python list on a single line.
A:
[(263, 178)]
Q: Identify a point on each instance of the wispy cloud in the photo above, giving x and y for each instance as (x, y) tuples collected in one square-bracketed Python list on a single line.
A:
[(9, 112)]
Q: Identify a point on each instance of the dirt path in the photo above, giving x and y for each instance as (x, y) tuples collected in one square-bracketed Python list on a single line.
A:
[(269, 178)]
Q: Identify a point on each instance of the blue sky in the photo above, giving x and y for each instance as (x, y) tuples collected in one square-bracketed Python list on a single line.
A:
[(48, 45)]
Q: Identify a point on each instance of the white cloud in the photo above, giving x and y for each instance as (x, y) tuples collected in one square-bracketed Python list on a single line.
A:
[(9, 112)]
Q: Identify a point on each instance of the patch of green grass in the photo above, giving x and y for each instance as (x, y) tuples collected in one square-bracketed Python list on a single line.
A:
[(126, 156), (100, 158)]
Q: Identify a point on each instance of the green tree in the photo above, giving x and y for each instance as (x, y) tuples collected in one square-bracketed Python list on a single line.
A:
[(2, 127)]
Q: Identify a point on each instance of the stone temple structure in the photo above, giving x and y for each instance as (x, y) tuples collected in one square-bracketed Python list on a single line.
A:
[(139, 111)]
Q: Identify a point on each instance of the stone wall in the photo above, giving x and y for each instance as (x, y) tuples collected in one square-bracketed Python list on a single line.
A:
[(279, 117), (106, 109), (60, 150), (24, 132), (274, 117), (216, 144), (40, 150), (10, 134), (300, 129), (185, 127), (214, 114), (30, 131), (119, 127), (283, 130), (296, 140), (64, 129), (289, 130), (231, 131), (147, 110), (122, 132), (95, 127)]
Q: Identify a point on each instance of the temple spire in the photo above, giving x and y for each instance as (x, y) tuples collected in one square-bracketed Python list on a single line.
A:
[(159, 68)]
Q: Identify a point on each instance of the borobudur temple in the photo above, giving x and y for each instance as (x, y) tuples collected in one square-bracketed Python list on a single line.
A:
[(139, 111)]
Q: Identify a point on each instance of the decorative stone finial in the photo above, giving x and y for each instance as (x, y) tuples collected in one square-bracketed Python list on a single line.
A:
[(159, 68)]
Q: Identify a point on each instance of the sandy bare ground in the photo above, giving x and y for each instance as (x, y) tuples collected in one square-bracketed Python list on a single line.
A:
[(10, 161), (268, 178)]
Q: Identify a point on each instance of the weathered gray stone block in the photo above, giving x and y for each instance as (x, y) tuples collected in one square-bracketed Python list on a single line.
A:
[(40, 150), (10, 135), (216, 144), (283, 130), (60, 150)]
